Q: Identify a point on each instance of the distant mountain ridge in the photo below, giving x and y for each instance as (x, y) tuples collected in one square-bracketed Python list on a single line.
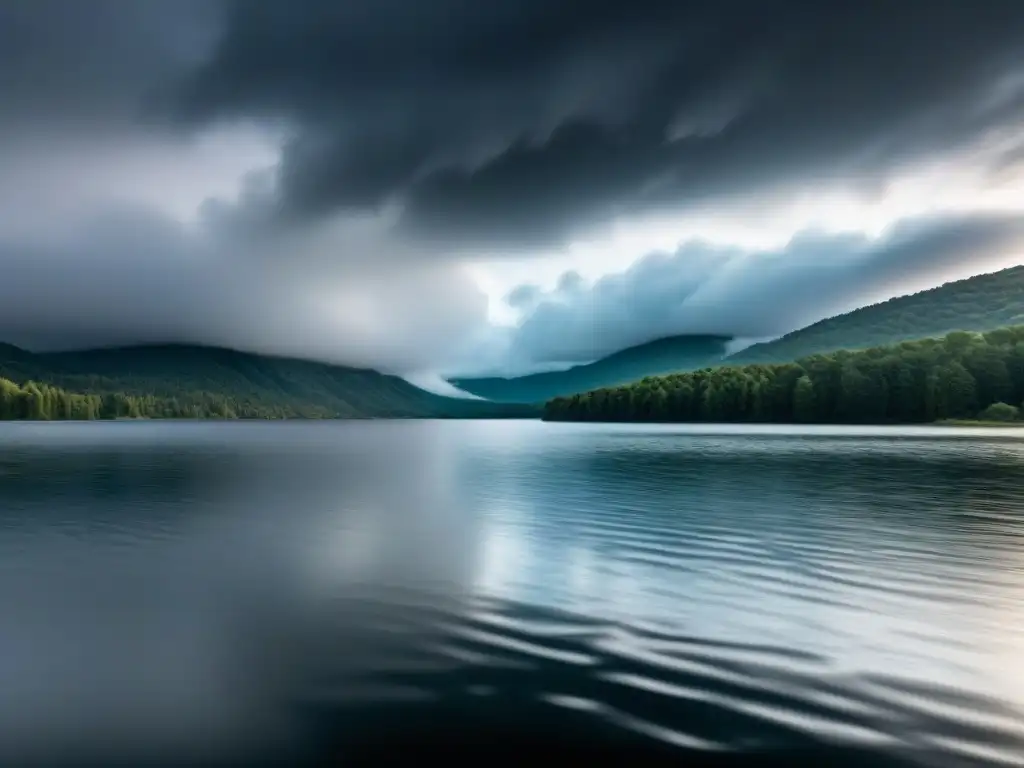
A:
[(666, 355), (272, 387), (980, 303)]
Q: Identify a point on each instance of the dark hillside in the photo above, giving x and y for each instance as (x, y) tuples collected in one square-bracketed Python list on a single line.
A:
[(980, 303), (675, 353), (237, 382)]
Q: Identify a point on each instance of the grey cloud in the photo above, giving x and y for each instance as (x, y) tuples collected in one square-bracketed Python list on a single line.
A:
[(523, 296), (134, 276), (95, 179), (1006, 164), (570, 282), (85, 67), (703, 289), (520, 123)]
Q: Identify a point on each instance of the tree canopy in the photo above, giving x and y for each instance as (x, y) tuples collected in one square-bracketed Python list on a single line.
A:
[(957, 376)]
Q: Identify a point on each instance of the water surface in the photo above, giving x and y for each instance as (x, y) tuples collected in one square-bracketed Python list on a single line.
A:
[(243, 591)]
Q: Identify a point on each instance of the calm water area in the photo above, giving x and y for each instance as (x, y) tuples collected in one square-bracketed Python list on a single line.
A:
[(247, 592)]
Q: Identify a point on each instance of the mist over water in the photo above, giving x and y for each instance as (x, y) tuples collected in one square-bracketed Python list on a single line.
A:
[(250, 592)]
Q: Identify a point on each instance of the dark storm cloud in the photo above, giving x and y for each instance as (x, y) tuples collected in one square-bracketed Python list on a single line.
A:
[(416, 132), (524, 122), (70, 66), (97, 192), (704, 289)]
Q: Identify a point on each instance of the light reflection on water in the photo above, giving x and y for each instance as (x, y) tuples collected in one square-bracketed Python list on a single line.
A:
[(220, 587)]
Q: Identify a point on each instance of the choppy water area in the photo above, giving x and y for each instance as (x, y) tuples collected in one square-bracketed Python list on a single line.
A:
[(245, 593)]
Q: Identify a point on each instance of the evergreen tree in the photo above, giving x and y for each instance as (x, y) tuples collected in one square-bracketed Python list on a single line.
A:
[(804, 406), (958, 377)]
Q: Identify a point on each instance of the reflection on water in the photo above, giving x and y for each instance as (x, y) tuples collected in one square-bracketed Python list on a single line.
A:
[(232, 592)]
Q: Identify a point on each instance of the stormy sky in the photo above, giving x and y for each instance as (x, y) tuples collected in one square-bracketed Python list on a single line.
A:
[(460, 187)]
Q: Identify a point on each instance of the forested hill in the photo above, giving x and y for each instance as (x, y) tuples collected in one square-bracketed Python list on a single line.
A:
[(676, 353), (979, 303), (198, 382), (960, 376)]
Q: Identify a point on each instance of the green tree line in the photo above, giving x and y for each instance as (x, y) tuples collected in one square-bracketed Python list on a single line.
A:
[(41, 402), (958, 376)]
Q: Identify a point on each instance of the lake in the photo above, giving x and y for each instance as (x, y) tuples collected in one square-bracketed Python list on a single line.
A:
[(254, 592)]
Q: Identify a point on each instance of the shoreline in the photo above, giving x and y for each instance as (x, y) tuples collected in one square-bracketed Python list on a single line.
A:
[(978, 423)]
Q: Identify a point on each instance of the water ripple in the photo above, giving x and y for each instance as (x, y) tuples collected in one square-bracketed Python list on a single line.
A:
[(814, 596)]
